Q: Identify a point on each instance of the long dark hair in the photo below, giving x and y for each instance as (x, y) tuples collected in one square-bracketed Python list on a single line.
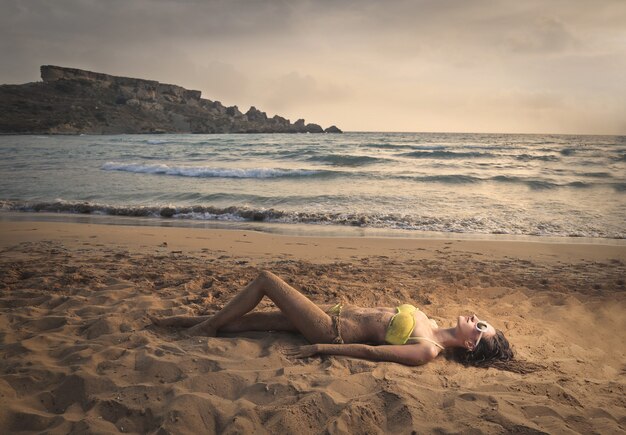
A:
[(491, 352)]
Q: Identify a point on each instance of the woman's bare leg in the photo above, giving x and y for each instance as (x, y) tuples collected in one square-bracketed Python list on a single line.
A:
[(257, 321), (260, 321), (178, 321), (307, 318)]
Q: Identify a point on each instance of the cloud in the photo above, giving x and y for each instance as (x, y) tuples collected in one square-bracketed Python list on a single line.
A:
[(145, 19), (544, 35)]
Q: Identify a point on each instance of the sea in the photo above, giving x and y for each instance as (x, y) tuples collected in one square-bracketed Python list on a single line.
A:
[(398, 184)]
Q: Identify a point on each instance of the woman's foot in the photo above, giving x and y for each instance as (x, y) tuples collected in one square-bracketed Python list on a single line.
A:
[(205, 329)]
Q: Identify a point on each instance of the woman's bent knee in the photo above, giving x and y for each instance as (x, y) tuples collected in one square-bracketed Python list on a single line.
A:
[(267, 276)]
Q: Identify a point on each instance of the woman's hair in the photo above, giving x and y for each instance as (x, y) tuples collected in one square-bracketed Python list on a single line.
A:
[(491, 351)]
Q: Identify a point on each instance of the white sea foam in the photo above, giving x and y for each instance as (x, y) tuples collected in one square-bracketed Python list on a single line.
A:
[(206, 216), (203, 171)]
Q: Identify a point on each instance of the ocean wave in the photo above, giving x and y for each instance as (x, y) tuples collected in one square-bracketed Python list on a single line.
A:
[(346, 160), (446, 155), (468, 224), (538, 184), (543, 158), (209, 172), (197, 212), (448, 179), (533, 183), (139, 156), (596, 174), (530, 182), (620, 187), (579, 184), (393, 146), (182, 140)]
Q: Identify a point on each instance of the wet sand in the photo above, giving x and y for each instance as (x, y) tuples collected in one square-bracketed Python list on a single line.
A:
[(78, 353)]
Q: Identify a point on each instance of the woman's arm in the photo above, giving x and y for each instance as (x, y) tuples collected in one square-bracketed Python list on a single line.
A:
[(411, 355)]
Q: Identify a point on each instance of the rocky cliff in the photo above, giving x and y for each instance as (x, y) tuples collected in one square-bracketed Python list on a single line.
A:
[(70, 101)]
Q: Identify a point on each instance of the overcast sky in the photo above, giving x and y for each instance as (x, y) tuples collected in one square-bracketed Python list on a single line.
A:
[(532, 66)]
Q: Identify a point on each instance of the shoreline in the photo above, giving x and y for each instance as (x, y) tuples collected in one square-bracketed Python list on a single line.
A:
[(253, 243), (294, 229)]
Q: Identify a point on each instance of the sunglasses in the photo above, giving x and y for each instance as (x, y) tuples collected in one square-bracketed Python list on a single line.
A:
[(482, 327)]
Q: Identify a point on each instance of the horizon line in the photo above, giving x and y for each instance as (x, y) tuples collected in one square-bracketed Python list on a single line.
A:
[(484, 132)]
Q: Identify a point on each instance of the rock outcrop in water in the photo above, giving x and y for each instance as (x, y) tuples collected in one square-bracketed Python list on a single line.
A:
[(71, 101)]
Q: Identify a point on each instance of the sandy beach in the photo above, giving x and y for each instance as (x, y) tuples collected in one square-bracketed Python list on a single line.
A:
[(78, 353)]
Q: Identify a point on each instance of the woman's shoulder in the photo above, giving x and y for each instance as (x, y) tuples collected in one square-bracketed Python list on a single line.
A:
[(428, 351)]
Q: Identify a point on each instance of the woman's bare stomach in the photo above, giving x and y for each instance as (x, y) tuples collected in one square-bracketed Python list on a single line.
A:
[(364, 325)]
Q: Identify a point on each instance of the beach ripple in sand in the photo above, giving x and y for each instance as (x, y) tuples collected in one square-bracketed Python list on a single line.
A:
[(78, 353)]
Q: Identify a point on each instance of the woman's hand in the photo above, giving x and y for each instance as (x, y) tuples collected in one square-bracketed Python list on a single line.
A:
[(301, 351)]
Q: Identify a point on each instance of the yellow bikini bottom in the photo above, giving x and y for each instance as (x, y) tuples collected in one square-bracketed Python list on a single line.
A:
[(335, 312)]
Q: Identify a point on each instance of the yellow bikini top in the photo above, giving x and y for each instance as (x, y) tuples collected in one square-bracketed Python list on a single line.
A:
[(402, 325)]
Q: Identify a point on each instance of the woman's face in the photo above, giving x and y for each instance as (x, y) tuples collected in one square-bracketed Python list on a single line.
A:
[(472, 329)]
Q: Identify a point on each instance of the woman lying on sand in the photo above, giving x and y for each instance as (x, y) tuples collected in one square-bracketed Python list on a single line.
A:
[(403, 334)]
